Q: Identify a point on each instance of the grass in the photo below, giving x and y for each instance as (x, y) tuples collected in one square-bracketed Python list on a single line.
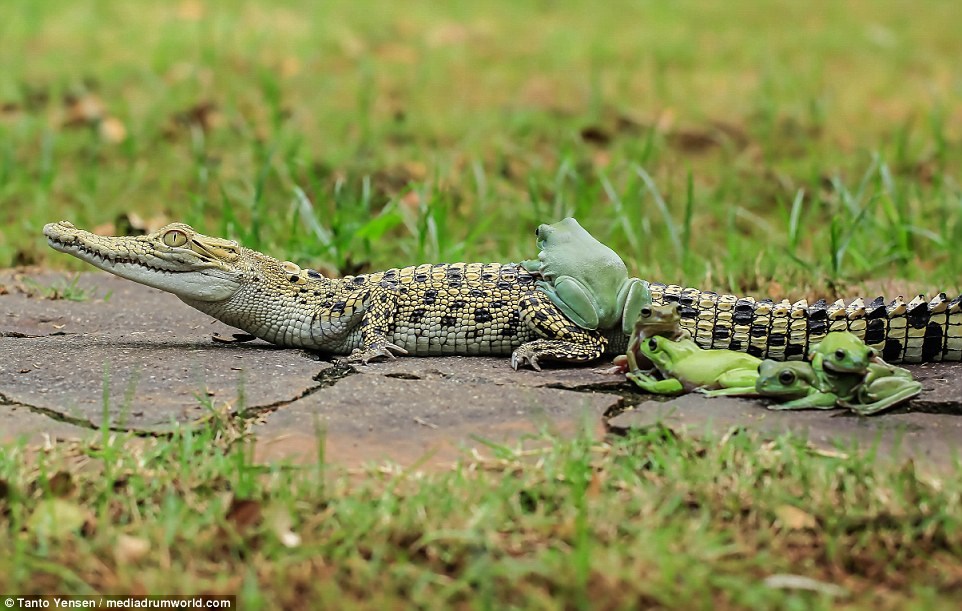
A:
[(811, 144), (793, 149), (653, 519)]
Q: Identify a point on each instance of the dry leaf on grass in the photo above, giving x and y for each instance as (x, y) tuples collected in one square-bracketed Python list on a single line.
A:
[(793, 518), (130, 549), (279, 521), (61, 484), (244, 514), (57, 518)]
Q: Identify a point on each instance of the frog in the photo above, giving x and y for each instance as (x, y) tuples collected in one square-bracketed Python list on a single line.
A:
[(884, 386), (843, 372), (685, 367), (654, 319), (841, 360), (796, 384), (585, 279)]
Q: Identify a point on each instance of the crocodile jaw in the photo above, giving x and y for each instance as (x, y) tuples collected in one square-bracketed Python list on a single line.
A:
[(145, 261)]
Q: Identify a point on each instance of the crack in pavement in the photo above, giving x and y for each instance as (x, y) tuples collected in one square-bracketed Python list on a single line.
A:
[(325, 378)]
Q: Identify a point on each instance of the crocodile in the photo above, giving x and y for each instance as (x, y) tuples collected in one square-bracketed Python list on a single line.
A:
[(479, 308)]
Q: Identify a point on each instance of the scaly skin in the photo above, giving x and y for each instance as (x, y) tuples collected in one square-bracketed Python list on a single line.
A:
[(461, 308), (475, 308)]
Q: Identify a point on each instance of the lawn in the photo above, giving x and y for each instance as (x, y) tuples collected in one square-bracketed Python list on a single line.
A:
[(780, 148)]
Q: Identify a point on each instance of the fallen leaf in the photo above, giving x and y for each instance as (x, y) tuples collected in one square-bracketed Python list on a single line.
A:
[(83, 109), (112, 130), (793, 518), (61, 484), (56, 518), (290, 66), (786, 581), (279, 520), (244, 513), (130, 549), (190, 10), (595, 135)]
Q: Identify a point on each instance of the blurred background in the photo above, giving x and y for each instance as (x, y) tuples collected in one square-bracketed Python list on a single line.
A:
[(779, 147)]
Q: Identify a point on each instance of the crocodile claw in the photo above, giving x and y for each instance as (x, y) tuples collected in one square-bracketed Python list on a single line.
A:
[(521, 358), (377, 350)]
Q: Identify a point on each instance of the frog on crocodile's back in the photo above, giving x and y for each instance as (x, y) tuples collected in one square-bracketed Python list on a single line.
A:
[(586, 280)]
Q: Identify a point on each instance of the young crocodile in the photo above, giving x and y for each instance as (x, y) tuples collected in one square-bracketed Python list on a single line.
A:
[(477, 308)]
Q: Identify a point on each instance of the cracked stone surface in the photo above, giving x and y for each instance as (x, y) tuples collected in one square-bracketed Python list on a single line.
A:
[(155, 352), (162, 366), (377, 417), (933, 437)]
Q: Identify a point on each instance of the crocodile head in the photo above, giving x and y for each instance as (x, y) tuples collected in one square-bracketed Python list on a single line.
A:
[(174, 258)]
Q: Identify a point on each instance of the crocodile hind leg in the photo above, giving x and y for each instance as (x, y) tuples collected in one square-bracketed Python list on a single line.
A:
[(561, 339)]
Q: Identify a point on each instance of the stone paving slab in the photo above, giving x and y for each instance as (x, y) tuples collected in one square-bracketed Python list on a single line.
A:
[(376, 417), (497, 371), (156, 352), (19, 423), (932, 437)]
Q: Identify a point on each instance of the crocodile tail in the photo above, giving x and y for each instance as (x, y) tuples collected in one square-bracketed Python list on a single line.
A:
[(912, 332)]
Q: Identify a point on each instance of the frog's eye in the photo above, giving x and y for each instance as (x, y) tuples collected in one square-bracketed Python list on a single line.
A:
[(653, 344), (839, 355), (786, 377), (646, 312), (175, 238)]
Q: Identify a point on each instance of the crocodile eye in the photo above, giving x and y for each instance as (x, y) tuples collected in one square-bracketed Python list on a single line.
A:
[(786, 377), (653, 344), (839, 355), (646, 312), (175, 238)]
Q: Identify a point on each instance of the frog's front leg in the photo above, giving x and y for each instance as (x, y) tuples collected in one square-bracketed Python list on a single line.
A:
[(737, 382), (648, 383), (532, 266), (632, 298), (815, 400), (574, 300), (882, 394)]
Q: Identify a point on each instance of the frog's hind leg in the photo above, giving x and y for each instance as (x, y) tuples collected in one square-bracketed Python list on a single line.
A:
[(816, 400), (738, 382), (734, 391), (906, 392)]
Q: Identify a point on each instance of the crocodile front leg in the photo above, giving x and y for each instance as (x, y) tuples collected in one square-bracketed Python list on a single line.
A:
[(378, 305), (562, 340)]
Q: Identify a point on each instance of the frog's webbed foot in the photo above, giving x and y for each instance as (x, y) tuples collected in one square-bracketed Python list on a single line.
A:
[(646, 382)]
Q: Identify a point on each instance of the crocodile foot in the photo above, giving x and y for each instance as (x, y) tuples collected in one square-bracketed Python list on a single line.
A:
[(522, 357), (381, 349)]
